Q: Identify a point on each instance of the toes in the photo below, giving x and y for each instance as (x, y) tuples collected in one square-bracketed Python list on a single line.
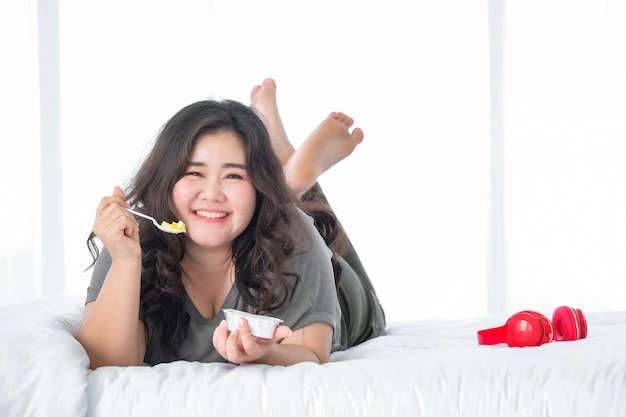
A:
[(269, 82), (341, 118), (254, 92), (357, 135)]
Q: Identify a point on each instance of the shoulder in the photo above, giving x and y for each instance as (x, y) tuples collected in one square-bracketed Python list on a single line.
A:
[(311, 259), (307, 237), (314, 299)]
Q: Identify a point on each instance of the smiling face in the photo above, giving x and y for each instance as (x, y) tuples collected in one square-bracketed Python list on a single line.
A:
[(215, 197)]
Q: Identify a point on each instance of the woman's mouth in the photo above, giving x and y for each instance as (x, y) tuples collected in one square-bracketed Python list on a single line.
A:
[(211, 214)]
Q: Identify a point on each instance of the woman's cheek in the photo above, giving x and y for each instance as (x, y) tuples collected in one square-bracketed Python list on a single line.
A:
[(181, 194)]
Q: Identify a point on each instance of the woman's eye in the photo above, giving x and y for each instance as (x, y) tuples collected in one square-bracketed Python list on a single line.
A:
[(194, 173), (233, 176)]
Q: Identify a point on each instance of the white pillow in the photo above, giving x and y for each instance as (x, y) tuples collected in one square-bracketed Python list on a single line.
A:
[(43, 367)]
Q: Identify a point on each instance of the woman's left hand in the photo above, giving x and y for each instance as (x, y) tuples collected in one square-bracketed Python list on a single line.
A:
[(240, 346)]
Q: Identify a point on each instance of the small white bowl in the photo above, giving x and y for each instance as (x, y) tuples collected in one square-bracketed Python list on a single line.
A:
[(260, 326)]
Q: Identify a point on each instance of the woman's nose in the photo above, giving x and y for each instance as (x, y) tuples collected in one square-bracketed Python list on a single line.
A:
[(212, 190)]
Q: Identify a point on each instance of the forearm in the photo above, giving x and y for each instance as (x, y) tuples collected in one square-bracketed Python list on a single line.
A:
[(289, 354), (111, 332)]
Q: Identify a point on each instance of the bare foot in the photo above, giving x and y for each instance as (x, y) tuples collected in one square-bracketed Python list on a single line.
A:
[(328, 144), (263, 99)]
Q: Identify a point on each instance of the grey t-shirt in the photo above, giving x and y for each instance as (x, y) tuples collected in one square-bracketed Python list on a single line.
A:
[(313, 301)]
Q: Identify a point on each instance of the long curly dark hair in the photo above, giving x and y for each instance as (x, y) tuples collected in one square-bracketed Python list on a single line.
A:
[(259, 253)]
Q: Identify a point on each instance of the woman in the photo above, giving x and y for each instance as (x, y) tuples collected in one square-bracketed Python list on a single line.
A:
[(249, 245)]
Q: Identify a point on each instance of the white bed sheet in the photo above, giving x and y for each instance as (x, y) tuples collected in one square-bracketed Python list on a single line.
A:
[(421, 368)]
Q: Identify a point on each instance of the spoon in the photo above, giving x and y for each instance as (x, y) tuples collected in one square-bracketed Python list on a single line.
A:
[(165, 226)]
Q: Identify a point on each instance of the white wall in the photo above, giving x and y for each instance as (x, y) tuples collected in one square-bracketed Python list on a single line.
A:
[(19, 157), (415, 196), (565, 176)]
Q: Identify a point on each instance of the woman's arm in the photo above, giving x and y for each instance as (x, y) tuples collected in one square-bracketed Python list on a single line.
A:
[(111, 331), (309, 344)]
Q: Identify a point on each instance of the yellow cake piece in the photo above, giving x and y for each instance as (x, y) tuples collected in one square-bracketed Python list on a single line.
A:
[(180, 226)]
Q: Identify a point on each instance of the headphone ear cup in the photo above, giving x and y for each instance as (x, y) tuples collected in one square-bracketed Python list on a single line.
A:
[(569, 324), (526, 328), (529, 328)]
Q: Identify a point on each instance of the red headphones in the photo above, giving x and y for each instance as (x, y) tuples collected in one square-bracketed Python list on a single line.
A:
[(529, 328)]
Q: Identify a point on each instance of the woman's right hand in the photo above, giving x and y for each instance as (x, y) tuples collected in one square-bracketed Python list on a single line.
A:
[(116, 228)]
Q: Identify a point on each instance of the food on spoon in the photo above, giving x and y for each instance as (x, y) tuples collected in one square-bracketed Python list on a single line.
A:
[(179, 227)]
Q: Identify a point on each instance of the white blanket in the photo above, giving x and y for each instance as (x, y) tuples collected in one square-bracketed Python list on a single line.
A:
[(421, 368)]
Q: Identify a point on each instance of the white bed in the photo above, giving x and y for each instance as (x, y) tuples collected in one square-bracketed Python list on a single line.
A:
[(420, 368)]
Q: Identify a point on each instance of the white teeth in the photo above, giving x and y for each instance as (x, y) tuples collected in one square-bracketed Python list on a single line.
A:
[(211, 214)]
